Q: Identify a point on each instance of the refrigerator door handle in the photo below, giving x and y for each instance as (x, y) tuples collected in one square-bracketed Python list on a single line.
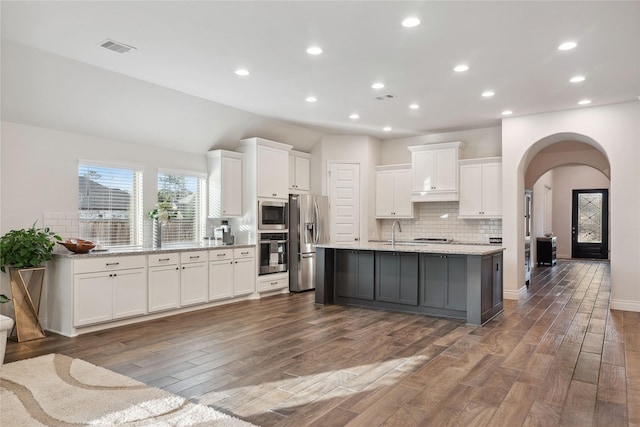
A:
[(315, 223)]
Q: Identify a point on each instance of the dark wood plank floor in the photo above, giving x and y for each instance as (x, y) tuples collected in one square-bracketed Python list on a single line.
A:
[(559, 356)]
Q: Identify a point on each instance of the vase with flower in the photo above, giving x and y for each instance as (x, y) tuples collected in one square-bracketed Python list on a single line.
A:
[(162, 215)]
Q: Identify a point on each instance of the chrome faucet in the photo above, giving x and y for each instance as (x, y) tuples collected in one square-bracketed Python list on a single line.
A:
[(393, 232)]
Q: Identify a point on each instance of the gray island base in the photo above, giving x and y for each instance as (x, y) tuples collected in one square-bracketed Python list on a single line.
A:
[(446, 280)]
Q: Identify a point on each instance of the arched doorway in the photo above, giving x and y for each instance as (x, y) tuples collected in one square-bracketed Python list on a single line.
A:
[(566, 169)]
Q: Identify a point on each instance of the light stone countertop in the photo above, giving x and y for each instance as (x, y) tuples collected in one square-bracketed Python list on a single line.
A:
[(430, 248), (64, 253)]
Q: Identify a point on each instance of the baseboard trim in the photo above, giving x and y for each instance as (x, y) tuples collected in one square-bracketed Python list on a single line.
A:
[(626, 305), (516, 295)]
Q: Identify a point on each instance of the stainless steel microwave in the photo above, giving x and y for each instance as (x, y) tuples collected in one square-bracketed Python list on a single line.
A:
[(273, 215)]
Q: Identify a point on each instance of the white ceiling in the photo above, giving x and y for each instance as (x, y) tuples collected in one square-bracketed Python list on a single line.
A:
[(510, 47)]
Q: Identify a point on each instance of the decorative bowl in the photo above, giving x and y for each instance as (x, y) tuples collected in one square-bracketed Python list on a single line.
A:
[(78, 246)]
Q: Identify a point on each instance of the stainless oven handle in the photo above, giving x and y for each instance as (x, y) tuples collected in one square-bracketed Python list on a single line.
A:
[(270, 241)]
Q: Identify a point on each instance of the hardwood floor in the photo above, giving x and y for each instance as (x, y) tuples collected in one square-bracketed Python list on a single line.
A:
[(557, 357)]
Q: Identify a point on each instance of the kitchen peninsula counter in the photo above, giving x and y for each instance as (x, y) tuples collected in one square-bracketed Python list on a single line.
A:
[(455, 280)]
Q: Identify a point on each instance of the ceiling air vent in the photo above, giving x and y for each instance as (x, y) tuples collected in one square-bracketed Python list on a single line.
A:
[(117, 46), (384, 97)]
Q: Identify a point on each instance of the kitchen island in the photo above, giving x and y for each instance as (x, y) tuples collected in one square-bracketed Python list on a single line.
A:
[(461, 281)]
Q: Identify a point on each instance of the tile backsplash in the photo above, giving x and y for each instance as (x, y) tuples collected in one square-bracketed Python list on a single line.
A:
[(440, 219), (66, 224)]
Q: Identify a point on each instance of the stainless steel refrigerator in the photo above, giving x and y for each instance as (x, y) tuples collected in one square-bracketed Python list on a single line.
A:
[(308, 226)]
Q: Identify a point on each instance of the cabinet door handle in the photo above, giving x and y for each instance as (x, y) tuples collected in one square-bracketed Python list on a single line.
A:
[(163, 259), (224, 254), (274, 283), (497, 266), (113, 263), (244, 253), (194, 257)]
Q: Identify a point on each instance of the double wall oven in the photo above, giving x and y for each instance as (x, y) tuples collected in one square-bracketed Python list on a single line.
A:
[(273, 236)]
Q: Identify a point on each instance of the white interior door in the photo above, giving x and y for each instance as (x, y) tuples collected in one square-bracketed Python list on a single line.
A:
[(344, 202)]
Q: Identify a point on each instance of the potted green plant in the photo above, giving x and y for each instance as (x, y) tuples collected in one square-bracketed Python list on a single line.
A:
[(24, 251), (28, 247)]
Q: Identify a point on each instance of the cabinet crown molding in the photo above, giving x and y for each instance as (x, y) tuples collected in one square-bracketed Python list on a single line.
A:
[(480, 161), (300, 154), (436, 146), (255, 141), (393, 167), (213, 154)]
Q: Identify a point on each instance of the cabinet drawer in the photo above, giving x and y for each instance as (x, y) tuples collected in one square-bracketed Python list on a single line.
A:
[(156, 260), (108, 263), (220, 254), (244, 253), (273, 284), (193, 256)]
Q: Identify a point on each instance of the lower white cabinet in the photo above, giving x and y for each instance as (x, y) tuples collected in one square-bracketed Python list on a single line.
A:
[(220, 274), (194, 278), (244, 271), (164, 282), (232, 273), (273, 282), (114, 293)]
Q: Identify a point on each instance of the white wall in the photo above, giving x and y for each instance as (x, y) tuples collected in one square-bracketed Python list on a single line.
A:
[(484, 142), (615, 130), (360, 149), (565, 180)]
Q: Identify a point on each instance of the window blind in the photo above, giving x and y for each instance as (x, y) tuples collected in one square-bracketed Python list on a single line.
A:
[(183, 195), (110, 204)]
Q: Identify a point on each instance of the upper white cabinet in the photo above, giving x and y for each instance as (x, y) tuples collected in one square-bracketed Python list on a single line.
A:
[(299, 168), (481, 188), (266, 169), (435, 172), (225, 184), (393, 191)]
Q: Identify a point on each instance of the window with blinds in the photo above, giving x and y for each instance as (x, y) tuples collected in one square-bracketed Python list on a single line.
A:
[(183, 196), (110, 204)]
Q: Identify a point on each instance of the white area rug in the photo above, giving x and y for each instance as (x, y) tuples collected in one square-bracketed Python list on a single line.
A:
[(56, 390)]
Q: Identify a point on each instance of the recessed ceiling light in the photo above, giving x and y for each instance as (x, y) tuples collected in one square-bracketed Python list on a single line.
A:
[(414, 106), (311, 99), (377, 85), (354, 116), (314, 50), (488, 93), (460, 68), (584, 102), (387, 128), (577, 79), (411, 22), (242, 72), (507, 112), (567, 45)]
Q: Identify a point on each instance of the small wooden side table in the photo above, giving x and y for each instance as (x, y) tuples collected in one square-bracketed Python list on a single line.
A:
[(26, 290)]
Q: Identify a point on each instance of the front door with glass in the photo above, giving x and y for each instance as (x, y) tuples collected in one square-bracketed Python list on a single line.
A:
[(590, 223)]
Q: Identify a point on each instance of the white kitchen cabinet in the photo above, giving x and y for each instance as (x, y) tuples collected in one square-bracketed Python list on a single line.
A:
[(225, 184), (273, 173), (164, 281), (481, 188), (244, 271), (435, 172), (299, 169), (194, 277), (273, 282), (393, 191), (103, 291), (220, 274)]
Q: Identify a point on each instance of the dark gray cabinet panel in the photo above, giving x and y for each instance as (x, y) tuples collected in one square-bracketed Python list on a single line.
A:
[(443, 281), (456, 282), (497, 278), (354, 274), (433, 280), (397, 277), (491, 286)]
